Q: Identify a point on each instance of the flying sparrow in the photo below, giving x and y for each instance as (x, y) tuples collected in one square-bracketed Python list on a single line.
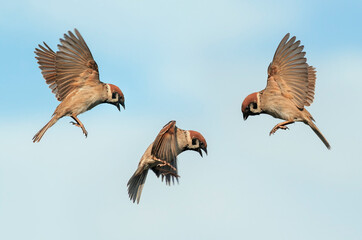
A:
[(290, 87), (161, 156), (72, 75)]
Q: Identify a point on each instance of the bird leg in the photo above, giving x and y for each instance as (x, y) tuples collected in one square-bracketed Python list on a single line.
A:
[(280, 126), (164, 163), (78, 123)]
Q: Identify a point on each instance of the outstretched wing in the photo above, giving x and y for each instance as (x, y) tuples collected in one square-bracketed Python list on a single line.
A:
[(70, 68), (165, 148), (291, 73), (311, 86), (46, 60)]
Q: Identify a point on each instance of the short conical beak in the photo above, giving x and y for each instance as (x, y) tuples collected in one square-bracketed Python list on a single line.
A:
[(205, 150), (245, 116), (199, 151), (124, 107)]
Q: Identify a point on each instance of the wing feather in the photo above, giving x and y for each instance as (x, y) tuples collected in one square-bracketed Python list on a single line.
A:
[(311, 86), (70, 68), (46, 60), (165, 148), (289, 68)]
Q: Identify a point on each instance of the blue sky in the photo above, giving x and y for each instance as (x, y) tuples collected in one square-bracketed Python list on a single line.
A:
[(194, 62)]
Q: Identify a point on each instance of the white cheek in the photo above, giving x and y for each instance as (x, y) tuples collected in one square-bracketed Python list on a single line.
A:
[(258, 108), (188, 138), (109, 92)]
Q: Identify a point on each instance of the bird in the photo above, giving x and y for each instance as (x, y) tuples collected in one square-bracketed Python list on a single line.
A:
[(73, 76), (161, 156), (290, 88)]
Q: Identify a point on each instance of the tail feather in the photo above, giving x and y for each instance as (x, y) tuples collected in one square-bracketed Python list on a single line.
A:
[(319, 134), (135, 185), (41, 132)]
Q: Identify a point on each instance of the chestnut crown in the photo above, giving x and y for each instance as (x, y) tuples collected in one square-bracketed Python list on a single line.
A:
[(116, 96), (250, 105), (198, 142)]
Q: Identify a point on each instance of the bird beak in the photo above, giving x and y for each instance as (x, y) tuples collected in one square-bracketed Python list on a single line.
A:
[(199, 151), (245, 116), (205, 150), (117, 105)]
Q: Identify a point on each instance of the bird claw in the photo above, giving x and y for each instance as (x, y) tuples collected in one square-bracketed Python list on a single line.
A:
[(276, 128), (74, 123), (83, 129), (167, 164), (164, 163)]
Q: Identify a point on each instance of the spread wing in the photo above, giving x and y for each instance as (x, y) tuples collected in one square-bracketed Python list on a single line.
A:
[(46, 60), (165, 148), (311, 86), (70, 68), (290, 72)]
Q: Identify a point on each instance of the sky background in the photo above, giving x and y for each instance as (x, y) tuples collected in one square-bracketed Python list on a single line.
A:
[(193, 62)]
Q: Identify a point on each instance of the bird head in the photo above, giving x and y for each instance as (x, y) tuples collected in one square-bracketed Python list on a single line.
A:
[(115, 96), (198, 142), (251, 105)]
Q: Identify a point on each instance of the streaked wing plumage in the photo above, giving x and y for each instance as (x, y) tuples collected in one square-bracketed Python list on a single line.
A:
[(290, 71), (164, 148), (70, 68), (167, 173), (46, 59), (311, 86)]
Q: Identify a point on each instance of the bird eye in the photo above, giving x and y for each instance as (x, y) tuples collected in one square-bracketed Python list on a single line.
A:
[(114, 95), (194, 141), (254, 105)]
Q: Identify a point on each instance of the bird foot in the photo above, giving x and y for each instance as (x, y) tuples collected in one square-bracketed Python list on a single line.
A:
[(74, 123), (83, 129), (164, 163), (85, 132), (276, 128)]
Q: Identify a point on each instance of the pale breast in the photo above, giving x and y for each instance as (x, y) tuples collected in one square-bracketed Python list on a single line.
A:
[(82, 100), (279, 106)]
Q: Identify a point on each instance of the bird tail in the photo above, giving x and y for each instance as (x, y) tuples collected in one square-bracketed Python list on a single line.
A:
[(319, 134), (41, 132), (135, 185)]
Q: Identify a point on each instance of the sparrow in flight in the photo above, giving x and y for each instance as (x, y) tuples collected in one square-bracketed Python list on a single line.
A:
[(72, 75), (290, 88), (161, 156)]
